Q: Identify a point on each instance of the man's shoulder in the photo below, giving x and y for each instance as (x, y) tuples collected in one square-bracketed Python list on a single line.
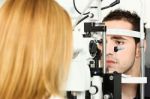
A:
[(147, 68), (147, 85)]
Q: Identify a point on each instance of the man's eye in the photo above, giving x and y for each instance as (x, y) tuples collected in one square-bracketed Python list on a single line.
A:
[(119, 42)]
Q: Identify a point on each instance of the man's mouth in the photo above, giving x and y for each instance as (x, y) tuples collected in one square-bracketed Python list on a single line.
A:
[(110, 62)]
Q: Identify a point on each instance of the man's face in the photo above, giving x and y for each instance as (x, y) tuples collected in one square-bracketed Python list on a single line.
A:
[(122, 60)]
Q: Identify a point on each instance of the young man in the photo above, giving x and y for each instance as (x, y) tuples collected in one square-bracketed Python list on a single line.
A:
[(126, 60)]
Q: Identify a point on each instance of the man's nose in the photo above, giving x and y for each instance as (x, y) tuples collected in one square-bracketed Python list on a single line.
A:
[(109, 48)]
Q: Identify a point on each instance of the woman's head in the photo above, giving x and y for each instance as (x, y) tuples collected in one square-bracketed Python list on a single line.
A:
[(35, 48)]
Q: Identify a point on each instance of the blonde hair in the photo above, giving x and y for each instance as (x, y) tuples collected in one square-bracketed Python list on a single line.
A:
[(35, 48)]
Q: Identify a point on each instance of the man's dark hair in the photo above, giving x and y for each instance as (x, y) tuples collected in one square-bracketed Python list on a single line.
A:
[(132, 18)]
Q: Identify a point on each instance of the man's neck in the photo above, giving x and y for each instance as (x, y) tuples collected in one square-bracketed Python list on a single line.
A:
[(129, 91)]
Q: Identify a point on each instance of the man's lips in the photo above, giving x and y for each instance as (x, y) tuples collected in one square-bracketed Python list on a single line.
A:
[(110, 62)]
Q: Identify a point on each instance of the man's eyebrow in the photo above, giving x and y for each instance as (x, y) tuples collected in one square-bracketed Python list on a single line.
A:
[(118, 37)]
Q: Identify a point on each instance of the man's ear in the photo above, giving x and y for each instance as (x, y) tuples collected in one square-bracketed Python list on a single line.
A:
[(138, 48)]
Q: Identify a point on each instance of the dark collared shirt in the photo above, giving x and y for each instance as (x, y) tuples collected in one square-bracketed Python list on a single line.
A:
[(147, 86)]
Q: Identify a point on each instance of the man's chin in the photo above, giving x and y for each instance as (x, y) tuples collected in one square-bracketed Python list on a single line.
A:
[(112, 70)]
